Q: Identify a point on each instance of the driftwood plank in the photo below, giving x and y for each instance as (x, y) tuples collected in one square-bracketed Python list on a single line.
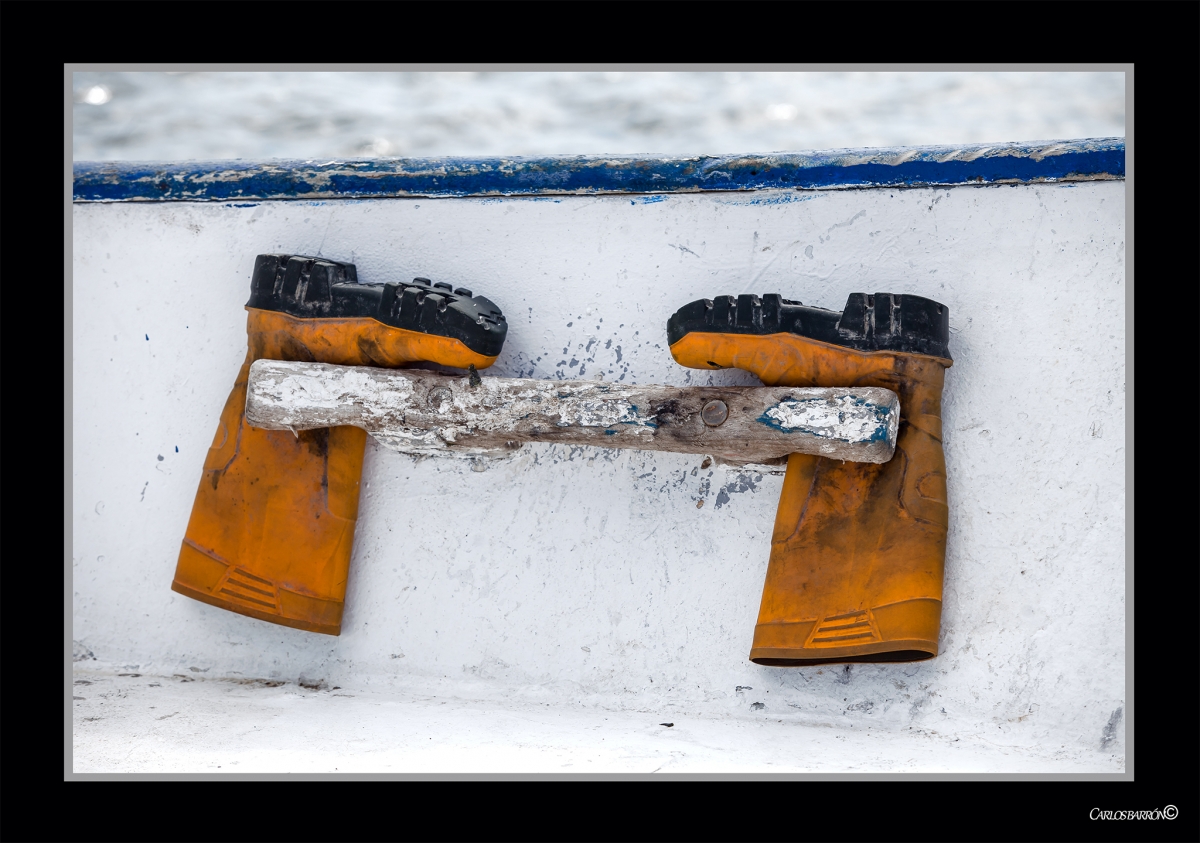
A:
[(423, 412)]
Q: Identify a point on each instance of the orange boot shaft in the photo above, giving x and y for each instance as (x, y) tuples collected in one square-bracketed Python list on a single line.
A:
[(858, 550), (272, 526)]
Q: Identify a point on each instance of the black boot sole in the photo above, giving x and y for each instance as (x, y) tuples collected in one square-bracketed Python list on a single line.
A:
[(319, 288), (870, 322)]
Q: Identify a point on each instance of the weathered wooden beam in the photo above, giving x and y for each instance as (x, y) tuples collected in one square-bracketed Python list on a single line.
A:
[(423, 412)]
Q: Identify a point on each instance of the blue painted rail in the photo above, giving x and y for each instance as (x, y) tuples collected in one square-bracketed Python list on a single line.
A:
[(223, 181)]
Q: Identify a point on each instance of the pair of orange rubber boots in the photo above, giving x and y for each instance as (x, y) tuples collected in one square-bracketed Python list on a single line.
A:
[(858, 550)]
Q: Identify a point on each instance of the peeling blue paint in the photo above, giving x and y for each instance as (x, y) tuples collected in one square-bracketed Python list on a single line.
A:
[(637, 419), (879, 434), (774, 199), (198, 181)]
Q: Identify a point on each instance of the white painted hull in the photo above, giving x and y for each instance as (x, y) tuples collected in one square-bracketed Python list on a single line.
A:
[(589, 579)]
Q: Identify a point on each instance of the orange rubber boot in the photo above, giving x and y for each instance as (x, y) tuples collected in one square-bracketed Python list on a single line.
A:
[(272, 526), (858, 551)]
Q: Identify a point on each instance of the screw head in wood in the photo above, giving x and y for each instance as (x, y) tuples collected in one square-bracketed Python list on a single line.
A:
[(714, 412)]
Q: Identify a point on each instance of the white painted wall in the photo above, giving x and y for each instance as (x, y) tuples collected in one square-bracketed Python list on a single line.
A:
[(587, 576)]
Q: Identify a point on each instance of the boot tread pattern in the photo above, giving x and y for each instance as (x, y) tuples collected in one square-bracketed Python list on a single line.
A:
[(833, 631), (245, 587), (310, 287), (869, 322)]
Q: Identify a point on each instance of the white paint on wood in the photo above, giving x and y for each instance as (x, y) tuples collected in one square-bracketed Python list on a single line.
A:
[(842, 418), (418, 412)]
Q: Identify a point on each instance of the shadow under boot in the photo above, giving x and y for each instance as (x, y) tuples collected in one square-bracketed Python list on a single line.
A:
[(272, 526), (858, 550)]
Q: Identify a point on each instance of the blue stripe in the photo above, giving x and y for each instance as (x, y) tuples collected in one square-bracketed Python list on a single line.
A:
[(221, 181)]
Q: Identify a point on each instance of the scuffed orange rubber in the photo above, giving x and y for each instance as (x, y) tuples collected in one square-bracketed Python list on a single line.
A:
[(272, 526), (859, 549)]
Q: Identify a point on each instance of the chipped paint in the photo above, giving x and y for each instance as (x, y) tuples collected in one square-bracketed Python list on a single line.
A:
[(387, 405), (200, 181), (427, 413), (767, 200), (843, 418), (564, 546)]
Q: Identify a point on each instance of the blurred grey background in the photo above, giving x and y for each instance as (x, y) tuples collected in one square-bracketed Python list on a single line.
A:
[(255, 115)]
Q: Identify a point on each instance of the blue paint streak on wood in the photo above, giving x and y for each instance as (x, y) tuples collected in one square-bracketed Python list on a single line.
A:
[(362, 179), (879, 434)]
